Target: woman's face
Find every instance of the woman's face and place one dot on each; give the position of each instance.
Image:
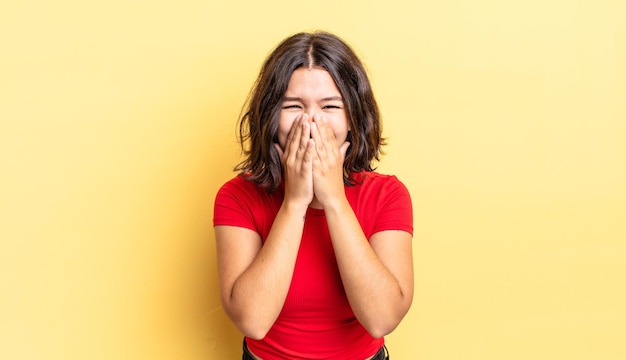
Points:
(313, 91)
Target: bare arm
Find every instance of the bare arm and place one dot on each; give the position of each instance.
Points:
(255, 277)
(377, 275)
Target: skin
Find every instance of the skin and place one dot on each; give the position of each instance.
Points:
(255, 277)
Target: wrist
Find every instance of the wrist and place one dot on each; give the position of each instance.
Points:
(336, 205)
(298, 208)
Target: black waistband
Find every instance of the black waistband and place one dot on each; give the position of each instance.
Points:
(382, 354)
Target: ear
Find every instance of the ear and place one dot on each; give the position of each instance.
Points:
(280, 151)
(344, 149)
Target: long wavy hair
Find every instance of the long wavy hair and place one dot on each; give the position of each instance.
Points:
(258, 126)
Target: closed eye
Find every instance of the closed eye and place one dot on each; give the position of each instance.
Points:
(332, 107)
(292, 106)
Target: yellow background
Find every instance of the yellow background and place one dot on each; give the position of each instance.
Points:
(506, 120)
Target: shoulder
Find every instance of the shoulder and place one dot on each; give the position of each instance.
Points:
(373, 180)
(374, 176)
(242, 187)
(375, 187)
(239, 190)
(381, 202)
(240, 202)
(238, 184)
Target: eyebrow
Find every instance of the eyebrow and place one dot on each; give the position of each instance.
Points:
(330, 98)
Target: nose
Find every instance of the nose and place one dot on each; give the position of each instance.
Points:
(310, 112)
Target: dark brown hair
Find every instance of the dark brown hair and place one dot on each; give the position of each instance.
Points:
(258, 126)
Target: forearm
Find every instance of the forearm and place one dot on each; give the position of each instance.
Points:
(259, 293)
(375, 295)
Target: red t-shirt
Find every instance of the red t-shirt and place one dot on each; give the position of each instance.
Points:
(316, 321)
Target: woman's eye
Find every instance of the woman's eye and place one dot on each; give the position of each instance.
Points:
(332, 107)
(293, 106)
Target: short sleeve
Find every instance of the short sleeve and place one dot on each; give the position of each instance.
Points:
(232, 205)
(395, 210)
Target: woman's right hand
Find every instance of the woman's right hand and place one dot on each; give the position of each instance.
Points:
(297, 162)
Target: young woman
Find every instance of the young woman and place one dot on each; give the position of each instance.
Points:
(313, 246)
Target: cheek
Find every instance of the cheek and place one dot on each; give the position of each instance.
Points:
(340, 128)
(284, 125)
(341, 135)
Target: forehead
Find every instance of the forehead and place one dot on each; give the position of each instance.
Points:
(312, 80)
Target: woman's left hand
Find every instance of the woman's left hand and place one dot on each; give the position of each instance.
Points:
(328, 160)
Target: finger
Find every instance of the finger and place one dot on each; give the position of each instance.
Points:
(305, 135)
(292, 129)
(315, 132)
(328, 132)
(320, 144)
(293, 140)
(325, 139)
(290, 133)
(309, 154)
(325, 130)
